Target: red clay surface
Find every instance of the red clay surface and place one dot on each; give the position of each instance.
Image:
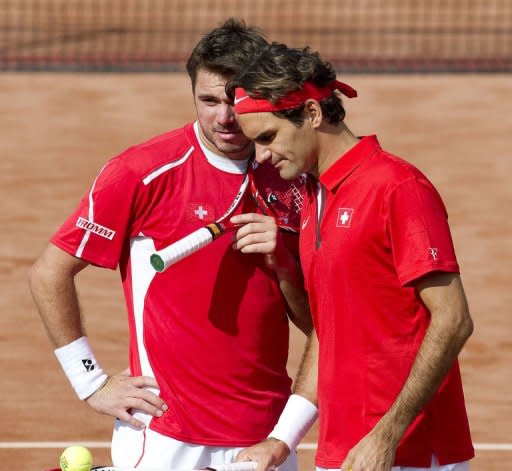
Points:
(59, 129)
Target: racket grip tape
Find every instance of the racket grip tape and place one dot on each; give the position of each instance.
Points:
(241, 466)
(175, 252)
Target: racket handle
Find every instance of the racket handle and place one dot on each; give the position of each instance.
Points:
(182, 248)
(242, 466)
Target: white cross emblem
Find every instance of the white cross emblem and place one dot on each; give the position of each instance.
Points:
(200, 212)
(344, 217)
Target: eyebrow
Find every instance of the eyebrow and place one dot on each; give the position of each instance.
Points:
(212, 97)
(206, 96)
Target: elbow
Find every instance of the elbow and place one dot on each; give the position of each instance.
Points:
(463, 327)
(303, 320)
(307, 326)
(467, 326)
(35, 276)
(42, 274)
(304, 324)
(455, 328)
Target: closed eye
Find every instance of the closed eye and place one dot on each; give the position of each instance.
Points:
(265, 138)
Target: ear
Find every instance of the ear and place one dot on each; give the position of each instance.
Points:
(313, 112)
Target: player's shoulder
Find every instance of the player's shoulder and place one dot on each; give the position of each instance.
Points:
(395, 170)
(170, 148)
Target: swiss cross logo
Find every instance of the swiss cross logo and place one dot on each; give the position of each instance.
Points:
(344, 217)
(202, 212)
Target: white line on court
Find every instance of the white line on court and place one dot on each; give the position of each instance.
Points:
(302, 446)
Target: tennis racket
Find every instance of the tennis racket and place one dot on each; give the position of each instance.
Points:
(281, 199)
(242, 466)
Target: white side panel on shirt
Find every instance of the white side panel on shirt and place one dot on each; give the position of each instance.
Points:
(141, 249)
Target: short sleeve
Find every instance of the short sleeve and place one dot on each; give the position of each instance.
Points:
(97, 230)
(419, 233)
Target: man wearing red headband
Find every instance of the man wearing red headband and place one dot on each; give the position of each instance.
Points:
(383, 281)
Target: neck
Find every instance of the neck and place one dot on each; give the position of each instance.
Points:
(334, 142)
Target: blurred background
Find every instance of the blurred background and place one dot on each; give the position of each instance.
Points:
(355, 35)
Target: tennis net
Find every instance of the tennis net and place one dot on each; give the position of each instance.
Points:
(355, 35)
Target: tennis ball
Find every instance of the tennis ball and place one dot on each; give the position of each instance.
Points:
(76, 458)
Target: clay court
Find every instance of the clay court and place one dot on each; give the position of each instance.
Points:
(59, 128)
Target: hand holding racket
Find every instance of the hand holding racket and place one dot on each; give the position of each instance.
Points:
(256, 233)
(273, 196)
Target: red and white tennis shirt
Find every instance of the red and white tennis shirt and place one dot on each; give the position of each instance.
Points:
(212, 329)
(382, 226)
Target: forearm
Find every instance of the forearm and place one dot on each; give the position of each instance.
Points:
(55, 296)
(300, 411)
(449, 329)
(306, 380)
(435, 357)
(291, 284)
(53, 289)
(52, 282)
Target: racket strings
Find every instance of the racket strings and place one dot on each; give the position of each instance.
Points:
(283, 198)
(298, 198)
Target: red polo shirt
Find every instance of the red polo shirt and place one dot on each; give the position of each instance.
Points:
(382, 226)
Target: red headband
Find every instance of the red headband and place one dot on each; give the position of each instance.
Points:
(246, 104)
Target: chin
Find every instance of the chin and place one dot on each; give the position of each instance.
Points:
(228, 148)
(288, 173)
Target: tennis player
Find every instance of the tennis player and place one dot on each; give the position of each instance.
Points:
(388, 306)
(209, 337)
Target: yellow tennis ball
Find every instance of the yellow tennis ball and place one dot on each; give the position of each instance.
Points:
(76, 458)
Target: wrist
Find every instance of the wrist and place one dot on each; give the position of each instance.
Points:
(389, 430)
(297, 417)
(81, 368)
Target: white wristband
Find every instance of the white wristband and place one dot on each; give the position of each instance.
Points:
(296, 419)
(80, 366)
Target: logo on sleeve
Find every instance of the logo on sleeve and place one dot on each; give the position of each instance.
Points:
(434, 253)
(95, 228)
(344, 217)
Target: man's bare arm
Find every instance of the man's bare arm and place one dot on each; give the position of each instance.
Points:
(449, 328)
(52, 283)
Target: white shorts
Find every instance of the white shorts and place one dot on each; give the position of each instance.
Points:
(464, 466)
(147, 449)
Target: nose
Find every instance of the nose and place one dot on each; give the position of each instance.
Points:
(226, 115)
(262, 153)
